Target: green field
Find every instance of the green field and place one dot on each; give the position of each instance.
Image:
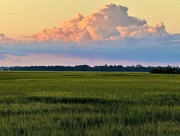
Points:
(89, 104)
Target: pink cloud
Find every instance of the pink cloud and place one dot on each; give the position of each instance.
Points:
(108, 23)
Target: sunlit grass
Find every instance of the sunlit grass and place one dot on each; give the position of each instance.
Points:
(89, 103)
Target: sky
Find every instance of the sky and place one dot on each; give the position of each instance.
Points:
(114, 32)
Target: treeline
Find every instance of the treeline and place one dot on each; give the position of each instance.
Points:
(166, 70)
(110, 68)
(137, 68)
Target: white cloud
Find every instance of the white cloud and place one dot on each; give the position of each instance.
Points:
(108, 23)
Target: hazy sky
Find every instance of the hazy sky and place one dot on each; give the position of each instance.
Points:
(27, 17)
(55, 32)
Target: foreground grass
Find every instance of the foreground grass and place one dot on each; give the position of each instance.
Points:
(87, 103)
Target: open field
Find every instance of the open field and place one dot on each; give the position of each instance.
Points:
(89, 103)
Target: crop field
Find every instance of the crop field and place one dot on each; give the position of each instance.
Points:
(89, 104)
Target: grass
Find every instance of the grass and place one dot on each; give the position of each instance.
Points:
(89, 103)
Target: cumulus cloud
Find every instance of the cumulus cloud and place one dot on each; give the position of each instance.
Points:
(108, 23)
(113, 37)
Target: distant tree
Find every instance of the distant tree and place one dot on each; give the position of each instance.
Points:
(166, 70)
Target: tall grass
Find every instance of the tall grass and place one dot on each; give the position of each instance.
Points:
(89, 103)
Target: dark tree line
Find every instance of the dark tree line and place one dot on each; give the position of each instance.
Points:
(166, 70)
(111, 68)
